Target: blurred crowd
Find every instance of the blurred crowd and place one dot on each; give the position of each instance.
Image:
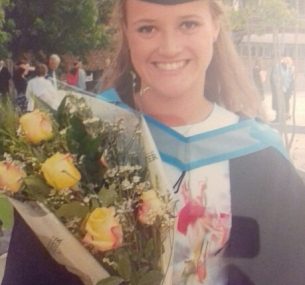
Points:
(23, 80)
(282, 83)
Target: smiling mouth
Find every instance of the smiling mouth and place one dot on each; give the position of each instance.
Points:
(171, 66)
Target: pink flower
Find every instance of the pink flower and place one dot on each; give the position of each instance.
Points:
(150, 207)
(11, 176)
(188, 215)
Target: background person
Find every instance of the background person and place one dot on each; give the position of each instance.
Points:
(20, 83)
(259, 77)
(53, 64)
(5, 77)
(76, 76)
(42, 88)
(81, 78)
(291, 87)
(282, 86)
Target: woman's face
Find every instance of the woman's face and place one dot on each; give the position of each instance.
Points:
(171, 46)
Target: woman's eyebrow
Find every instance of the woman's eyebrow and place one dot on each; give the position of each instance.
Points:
(143, 21)
(191, 16)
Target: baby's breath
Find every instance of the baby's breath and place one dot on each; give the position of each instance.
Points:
(109, 156)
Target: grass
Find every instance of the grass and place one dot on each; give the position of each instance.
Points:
(6, 212)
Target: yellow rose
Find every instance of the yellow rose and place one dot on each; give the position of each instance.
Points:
(104, 231)
(36, 126)
(150, 207)
(10, 176)
(60, 172)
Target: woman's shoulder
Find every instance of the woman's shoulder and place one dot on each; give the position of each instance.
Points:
(267, 166)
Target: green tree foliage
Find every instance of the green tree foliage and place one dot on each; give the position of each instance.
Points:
(105, 8)
(4, 36)
(59, 26)
(256, 17)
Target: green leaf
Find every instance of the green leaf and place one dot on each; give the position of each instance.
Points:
(124, 264)
(149, 249)
(61, 114)
(94, 203)
(107, 197)
(153, 277)
(113, 280)
(90, 146)
(36, 187)
(71, 210)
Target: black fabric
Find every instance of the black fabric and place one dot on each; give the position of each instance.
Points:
(28, 262)
(5, 76)
(267, 242)
(20, 82)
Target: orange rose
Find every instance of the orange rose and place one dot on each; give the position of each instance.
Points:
(60, 172)
(11, 176)
(36, 126)
(104, 231)
(150, 207)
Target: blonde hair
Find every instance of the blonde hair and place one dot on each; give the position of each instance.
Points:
(227, 81)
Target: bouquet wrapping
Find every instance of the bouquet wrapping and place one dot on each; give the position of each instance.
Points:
(109, 178)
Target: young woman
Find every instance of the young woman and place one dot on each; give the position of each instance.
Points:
(239, 200)
(176, 63)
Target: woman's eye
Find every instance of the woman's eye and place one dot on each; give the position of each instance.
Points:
(146, 30)
(189, 25)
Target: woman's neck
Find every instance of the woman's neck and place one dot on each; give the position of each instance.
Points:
(174, 111)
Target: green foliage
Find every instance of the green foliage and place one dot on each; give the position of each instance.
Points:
(107, 196)
(81, 138)
(36, 187)
(6, 212)
(112, 280)
(262, 16)
(124, 264)
(4, 36)
(72, 210)
(152, 277)
(9, 124)
(104, 9)
(60, 26)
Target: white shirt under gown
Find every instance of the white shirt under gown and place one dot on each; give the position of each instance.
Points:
(203, 212)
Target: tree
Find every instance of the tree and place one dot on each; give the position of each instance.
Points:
(4, 36)
(59, 26)
(105, 8)
(262, 16)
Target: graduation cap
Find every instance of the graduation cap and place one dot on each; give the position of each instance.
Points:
(168, 2)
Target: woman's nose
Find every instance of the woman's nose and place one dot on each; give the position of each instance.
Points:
(170, 43)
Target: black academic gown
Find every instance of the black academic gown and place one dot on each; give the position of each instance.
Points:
(267, 244)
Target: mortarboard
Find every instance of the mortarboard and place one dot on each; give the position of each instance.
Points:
(167, 2)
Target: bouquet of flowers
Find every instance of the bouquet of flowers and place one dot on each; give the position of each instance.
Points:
(80, 172)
